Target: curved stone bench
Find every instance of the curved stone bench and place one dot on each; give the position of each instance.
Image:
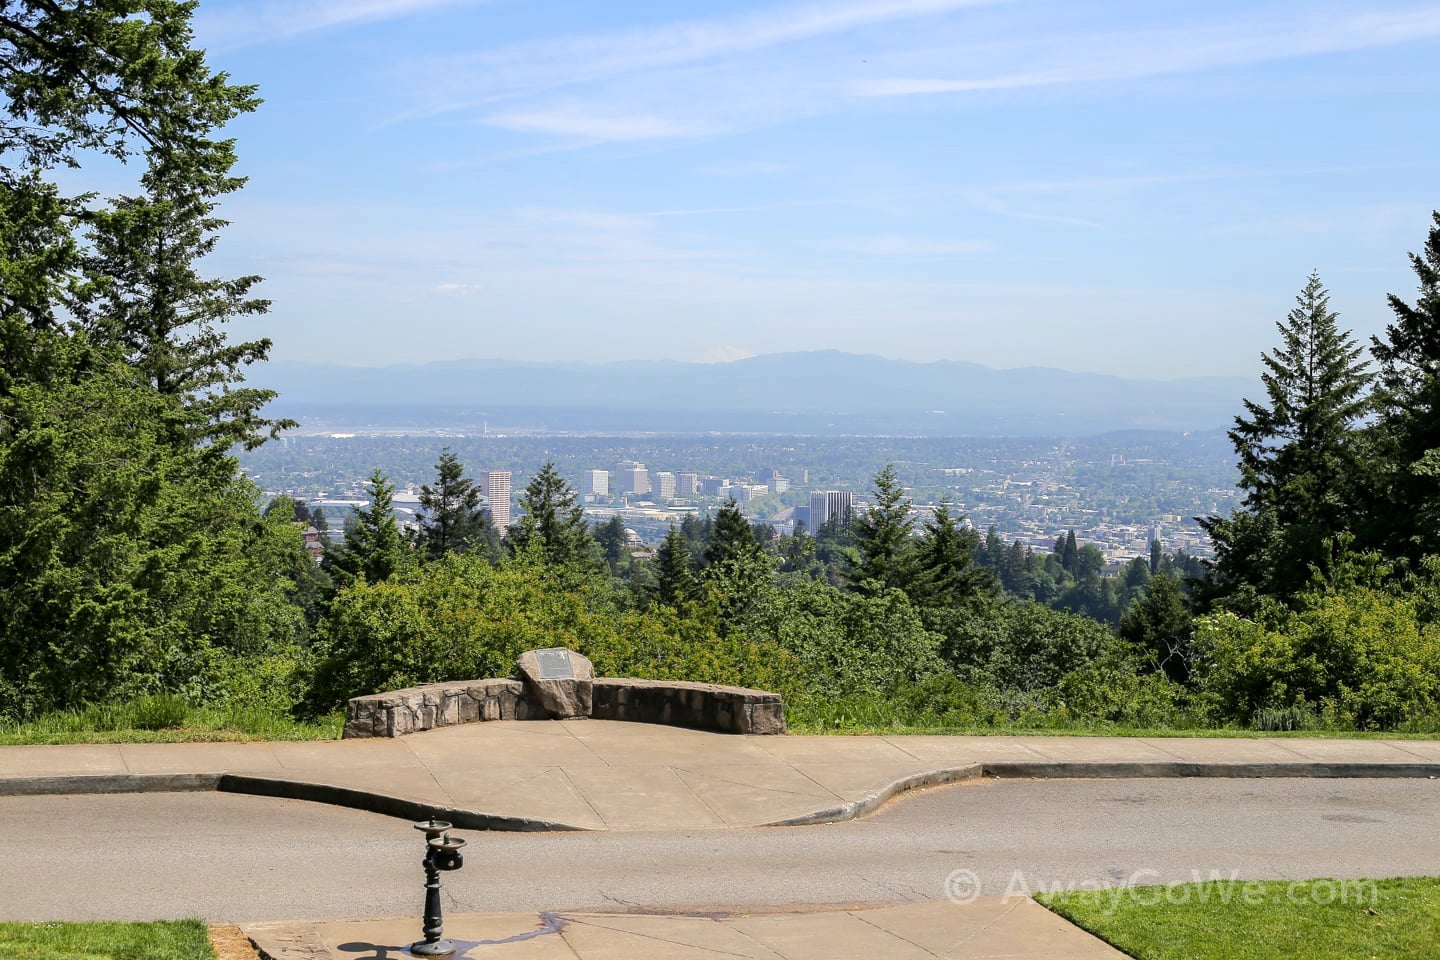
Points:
(704, 706)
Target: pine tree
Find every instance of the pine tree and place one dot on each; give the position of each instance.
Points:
(1160, 626)
(1157, 556)
(454, 521)
(1406, 515)
(883, 543)
(373, 547)
(675, 582)
(945, 571)
(1298, 457)
(731, 536)
(1070, 554)
(552, 518)
(614, 541)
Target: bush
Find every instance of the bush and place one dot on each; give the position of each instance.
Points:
(1019, 644)
(1363, 656)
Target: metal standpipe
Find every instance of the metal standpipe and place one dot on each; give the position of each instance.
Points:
(442, 852)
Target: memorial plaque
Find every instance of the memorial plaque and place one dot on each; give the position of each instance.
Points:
(555, 665)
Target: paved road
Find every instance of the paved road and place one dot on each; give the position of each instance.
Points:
(239, 858)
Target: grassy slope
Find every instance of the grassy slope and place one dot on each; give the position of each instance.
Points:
(1277, 920)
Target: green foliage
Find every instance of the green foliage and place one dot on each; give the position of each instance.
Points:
(553, 520)
(1160, 627)
(374, 548)
(130, 561)
(461, 618)
(1361, 657)
(878, 562)
(1300, 459)
(944, 570)
(454, 520)
(1019, 644)
(843, 643)
(1405, 519)
(675, 581)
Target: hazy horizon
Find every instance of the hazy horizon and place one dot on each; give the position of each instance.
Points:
(1121, 188)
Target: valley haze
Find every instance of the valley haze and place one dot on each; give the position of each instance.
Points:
(824, 392)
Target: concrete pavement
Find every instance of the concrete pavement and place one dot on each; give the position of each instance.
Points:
(605, 775)
(1015, 929)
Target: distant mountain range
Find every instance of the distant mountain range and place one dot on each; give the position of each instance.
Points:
(823, 392)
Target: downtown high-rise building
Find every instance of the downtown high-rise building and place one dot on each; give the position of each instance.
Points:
(595, 483)
(631, 477)
(827, 505)
(496, 486)
(664, 486)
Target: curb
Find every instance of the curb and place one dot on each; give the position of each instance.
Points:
(879, 796)
(409, 809)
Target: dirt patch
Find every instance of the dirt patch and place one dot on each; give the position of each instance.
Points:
(231, 944)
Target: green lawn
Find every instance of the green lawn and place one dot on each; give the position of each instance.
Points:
(166, 940)
(1274, 920)
(166, 720)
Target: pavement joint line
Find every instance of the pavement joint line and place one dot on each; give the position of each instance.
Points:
(903, 750)
(1400, 745)
(581, 794)
(891, 933)
(430, 773)
(719, 817)
(1165, 750)
(817, 783)
(1287, 748)
(651, 936)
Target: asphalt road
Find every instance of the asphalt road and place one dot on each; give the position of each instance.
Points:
(234, 858)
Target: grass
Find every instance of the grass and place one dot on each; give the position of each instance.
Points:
(162, 940)
(1273, 920)
(166, 719)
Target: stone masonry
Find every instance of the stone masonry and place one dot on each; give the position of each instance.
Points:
(678, 703)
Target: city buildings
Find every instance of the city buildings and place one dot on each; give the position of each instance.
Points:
(595, 483)
(827, 505)
(496, 486)
(687, 484)
(665, 486)
(631, 477)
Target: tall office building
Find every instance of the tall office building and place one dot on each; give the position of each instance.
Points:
(664, 486)
(631, 477)
(496, 485)
(687, 484)
(827, 505)
(595, 482)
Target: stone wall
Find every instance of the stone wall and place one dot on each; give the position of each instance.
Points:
(701, 705)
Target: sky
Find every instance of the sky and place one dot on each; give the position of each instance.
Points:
(1133, 188)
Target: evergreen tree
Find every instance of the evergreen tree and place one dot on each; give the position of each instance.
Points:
(614, 541)
(373, 547)
(1298, 457)
(1160, 626)
(318, 521)
(731, 536)
(883, 543)
(1070, 555)
(454, 521)
(675, 582)
(552, 518)
(1406, 516)
(1157, 556)
(945, 571)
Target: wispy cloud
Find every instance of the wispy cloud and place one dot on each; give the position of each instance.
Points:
(894, 245)
(245, 23)
(702, 78)
(1154, 53)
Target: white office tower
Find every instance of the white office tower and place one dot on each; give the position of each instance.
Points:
(827, 505)
(664, 486)
(596, 483)
(497, 496)
(631, 477)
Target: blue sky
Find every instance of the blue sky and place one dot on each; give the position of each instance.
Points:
(1132, 188)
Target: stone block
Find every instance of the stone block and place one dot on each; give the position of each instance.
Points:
(558, 696)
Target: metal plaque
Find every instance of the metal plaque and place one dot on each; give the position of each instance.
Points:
(555, 665)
